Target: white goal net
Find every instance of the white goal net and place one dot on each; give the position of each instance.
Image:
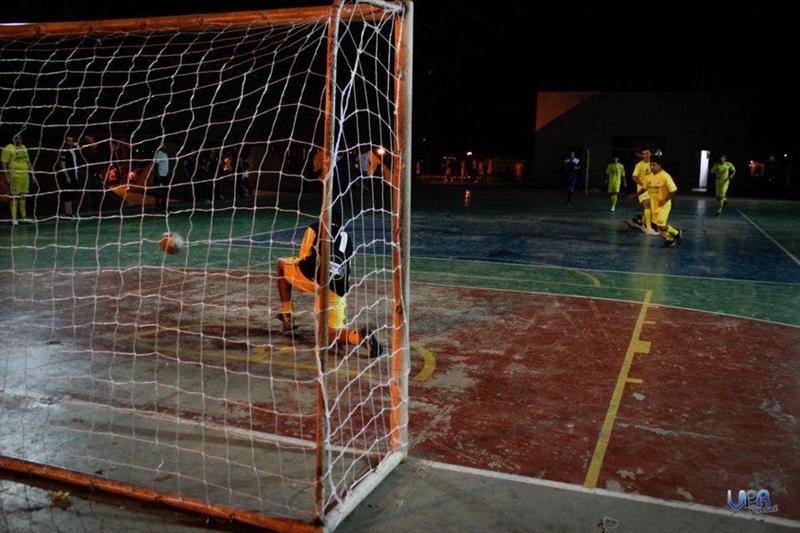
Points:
(204, 257)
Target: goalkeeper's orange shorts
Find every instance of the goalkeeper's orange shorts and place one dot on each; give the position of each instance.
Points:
(337, 305)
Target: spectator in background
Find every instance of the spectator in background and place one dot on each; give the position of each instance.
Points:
(771, 173)
(318, 164)
(70, 180)
(571, 167)
(213, 176)
(225, 187)
(16, 165)
(371, 165)
(205, 177)
(723, 172)
(519, 171)
(615, 175)
(161, 176)
(364, 160)
(241, 177)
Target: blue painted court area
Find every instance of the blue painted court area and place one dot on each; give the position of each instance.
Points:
(536, 227)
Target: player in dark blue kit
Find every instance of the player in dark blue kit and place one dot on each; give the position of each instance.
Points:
(571, 167)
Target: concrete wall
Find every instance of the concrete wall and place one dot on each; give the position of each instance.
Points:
(681, 124)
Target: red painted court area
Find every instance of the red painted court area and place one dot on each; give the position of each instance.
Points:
(524, 381)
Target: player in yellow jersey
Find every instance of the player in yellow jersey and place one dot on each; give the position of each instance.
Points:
(615, 173)
(641, 172)
(661, 189)
(16, 166)
(723, 172)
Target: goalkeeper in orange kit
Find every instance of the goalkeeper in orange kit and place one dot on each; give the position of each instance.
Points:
(299, 271)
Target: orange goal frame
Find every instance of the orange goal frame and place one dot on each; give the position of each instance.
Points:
(364, 10)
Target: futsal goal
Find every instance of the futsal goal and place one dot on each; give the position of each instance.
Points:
(165, 377)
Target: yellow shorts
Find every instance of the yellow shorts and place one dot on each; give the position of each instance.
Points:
(722, 187)
(661, 215)
(337, 305)
(20, 183)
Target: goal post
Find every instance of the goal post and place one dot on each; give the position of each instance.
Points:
(175, 378)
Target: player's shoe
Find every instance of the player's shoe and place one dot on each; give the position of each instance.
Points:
(613, 207)
(373, 346)
(679, 237)
(718, 214)
(286, 320)
(670, 244)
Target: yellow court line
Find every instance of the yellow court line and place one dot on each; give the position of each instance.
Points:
(635, 346)
(261, 355)
(430, 363)
(595, 281)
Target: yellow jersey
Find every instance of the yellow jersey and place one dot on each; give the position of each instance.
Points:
(657, 187)
(640, 172)
(615, 170)
(721, 171)
(16, 158)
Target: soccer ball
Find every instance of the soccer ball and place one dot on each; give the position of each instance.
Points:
(171, 243)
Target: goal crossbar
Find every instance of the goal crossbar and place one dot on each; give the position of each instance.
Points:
(273, 17)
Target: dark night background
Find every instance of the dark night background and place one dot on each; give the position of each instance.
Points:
(478, 65)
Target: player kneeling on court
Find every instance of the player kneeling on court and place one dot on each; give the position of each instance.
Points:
(661, 189)
(298, 272)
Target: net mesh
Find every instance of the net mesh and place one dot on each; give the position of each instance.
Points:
(169, 370)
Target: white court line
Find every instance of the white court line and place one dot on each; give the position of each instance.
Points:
(177, 420)
(623, 300)
(768, 236)
(253, 273)
(627, 272)
(696, 507)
